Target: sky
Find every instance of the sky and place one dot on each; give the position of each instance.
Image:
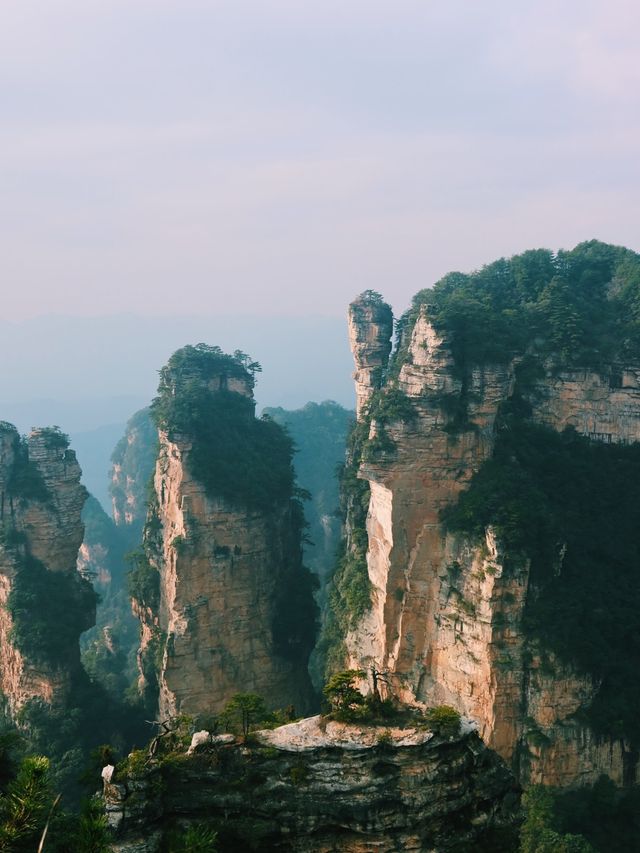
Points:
(277, 157)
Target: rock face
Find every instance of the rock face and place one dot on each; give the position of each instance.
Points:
(370, 331)
(133, 460)
(227, 567)
(41, 501)
(314, 788)
(445, 616)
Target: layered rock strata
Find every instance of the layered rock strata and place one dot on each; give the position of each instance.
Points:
(41, 501)
(313, 787)
(446, 618)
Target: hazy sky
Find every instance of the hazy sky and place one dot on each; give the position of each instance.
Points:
(279, 156)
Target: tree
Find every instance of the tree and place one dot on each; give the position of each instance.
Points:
(443, 720)
(24, 808)
(342, 693)
(245, 708)
(538, 835)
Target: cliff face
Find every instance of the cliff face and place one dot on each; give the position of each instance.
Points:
(370, 330)
(45, 603)
(133, 460)
(230, 578)
(308, 788)
(447, 610)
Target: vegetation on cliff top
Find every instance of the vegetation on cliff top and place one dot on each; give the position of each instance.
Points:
(236, 456)
(579, 307)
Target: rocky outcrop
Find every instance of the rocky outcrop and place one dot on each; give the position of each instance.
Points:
(133, 460)
(321, 787)
(41, 500)
(446, 617)
(370, 331)
(230, 582)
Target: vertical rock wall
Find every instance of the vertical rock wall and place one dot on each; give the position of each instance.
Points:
(445, 617)
(41, 501)
(370, 331)
(224, 571)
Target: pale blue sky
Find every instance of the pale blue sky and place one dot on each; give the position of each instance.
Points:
(183, 156)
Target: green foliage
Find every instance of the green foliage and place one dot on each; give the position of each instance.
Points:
(443, 720)
(26, 483)
(109, 647)
(577, 308)
(25, 805)
(143, 580)
(295, 620)
(391, 404)
(349, 590)
(207, 362)
(581, 307)
(572, 507)
(372, 297)
(385, 739)
(319, 432)
(299, 773)
(49, 611)
(342, 693)
(31, 811)
(196, 839)
(245, 460)
(91, 832)
(539, 833)
(10, 537)
(234, 455)
(608, 817)
(54, 438)
(243, 712)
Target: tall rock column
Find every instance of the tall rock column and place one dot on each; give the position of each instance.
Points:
(234, 610)
(45, 603)
(370, 331)
(445, 616)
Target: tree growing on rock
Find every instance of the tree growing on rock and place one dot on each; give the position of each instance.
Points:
(244, 710)
(443, 720)
(342, 693)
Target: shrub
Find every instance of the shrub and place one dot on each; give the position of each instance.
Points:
(342, 693)
(443, 720)
(143, 580)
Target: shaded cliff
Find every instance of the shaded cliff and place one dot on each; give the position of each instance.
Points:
(46, 603)
(225, 603)
(496, 562)
(109, 647)
(320, 786)
(319, 432)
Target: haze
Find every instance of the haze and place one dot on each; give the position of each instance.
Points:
(163, 157)
(235, 173)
